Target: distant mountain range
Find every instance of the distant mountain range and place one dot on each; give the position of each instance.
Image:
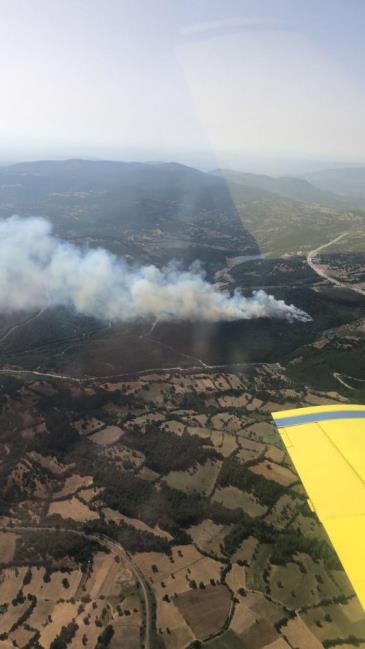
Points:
(159, 212)
(86, 175)
(31, 180)
(100, 200)
(150, 212)
(116, 191)
(320, 186)
(348, 181)
(298, 189)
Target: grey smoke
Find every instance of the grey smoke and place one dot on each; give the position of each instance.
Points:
(38, 270)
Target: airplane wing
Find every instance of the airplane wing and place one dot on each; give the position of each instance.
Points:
(327, 447)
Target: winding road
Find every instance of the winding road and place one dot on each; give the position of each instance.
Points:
(322, 273)
(113, 546)
(339, 377)
(21, 324)
(130, 375)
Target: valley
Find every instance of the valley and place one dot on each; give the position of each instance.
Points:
(147, 500)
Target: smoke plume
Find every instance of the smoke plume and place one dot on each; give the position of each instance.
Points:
(37, 270)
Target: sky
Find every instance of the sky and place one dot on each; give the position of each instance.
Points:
(223, 81)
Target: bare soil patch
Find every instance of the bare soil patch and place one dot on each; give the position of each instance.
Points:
(200, 478)
(236, 577)
(172, 626)
(107, 435)
(246, 550)
(298, 635)
(205, 611)
(275, 472)
(72, 508)
(232, 498)
(72, 484)
(7, 546)
(116, 516)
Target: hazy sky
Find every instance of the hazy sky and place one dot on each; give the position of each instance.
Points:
(159, 78)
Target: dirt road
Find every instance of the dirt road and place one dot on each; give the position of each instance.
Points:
(113, 546)
(322, 273)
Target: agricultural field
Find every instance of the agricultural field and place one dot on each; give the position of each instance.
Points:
(66, 590)
(164, 499)
(146, 498)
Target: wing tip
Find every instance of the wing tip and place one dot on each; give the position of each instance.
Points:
(311, 414)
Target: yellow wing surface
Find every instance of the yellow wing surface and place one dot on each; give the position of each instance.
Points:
(327, 447)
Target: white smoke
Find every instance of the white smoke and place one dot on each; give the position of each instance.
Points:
(37, 270)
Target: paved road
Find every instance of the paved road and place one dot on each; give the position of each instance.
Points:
(113, 545)
(116, 547)
(50, 375)
(338, 377)
(322, 273)
(130, 375)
